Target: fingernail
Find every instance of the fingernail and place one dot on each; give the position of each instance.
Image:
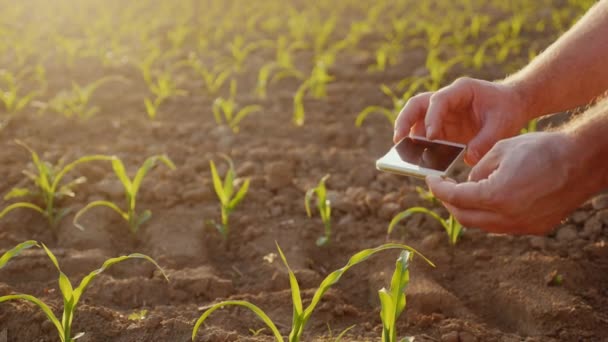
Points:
(430, 132)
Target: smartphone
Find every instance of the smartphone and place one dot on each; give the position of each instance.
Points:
(420, 157)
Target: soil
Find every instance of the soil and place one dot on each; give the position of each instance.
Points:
(487, 288)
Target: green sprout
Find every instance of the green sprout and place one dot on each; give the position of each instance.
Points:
(323, 206)
(163, 88)
(213, 78)
(71, 296)
(282, 67)
(11, 96)
(225, 192)
(131, 188)
(452, 227)
(532, 126)
(393, 301)
(227, 109)
(75, 102)
(48, 187)
(301, 314)
(398, 103)
(316, 85)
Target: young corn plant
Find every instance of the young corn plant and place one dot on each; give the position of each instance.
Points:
(282, 67)
(76, 101)
(131, 188)
(323, 206)
(452, 227)
(301, 314)
(47, 186)
(213, 78)
(10, 92)
(162, 88)
(398, 102)
(71, 295)
(225, 110)
(240, 50)
(225, 192)
(316, 85)
(392, 301)
(532, 126)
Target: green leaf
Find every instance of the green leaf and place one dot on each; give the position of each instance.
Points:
(78, 292)
(143, 170)
(241, 114)
(240, 195)
(121, 173)
(93, 204)
(307, 199)
(374, 109)
(404, 214)
(296, 297)
(72, 165)
(16, 193)
(47, 311)
(339, 338)
(261, 314)
(21, 205)
(8, 255)
(217, 183)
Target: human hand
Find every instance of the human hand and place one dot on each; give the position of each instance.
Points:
(469, 111)
(523, 185)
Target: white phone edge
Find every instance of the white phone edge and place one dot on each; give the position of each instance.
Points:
(420, 172)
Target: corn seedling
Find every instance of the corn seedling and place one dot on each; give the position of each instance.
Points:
(71, 296)
(48, 187)
(76, 101)
(162, 87)
(10, 92)
(392, 301)
(213, 79)
(225, 192)
(452, 227)
(240, 50)
(131, 188)
(323, 206)
(225, 110)
(301, 314)
(282, 67)
(316, 85)
(426, 195)
(398, 103)
(386, 54)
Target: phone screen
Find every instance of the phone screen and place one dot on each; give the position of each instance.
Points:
(425, 154)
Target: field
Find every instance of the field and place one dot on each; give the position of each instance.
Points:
(288, 91)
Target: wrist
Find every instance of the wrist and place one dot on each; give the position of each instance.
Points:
(523, 98)
(587, 156)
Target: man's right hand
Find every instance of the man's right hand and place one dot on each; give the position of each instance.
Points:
(469, 111)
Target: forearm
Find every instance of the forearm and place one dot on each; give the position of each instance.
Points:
(570, 73)
(589, 136)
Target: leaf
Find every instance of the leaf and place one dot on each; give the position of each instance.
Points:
(241, 115)
(47, 311)
(373, 109)
(143, 170)
(217, 183)
(98, 204)
(261, 314)
(8, 255)
(78, 292)
(21, 205)
(240, 195)
(339, 338)
(307, 199)
(121, 173)
(404, 214)
(16, 193)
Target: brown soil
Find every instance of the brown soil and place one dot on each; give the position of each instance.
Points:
(487, 288)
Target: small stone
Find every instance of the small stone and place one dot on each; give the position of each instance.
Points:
(592, 228)
(373, 200)
(431, 241)
(566, 234)
(388, 211)
(246, 169)
(600, 202)
(538, 242)
(465, 336)
(603, 216)
(450, 337)
(279, 174)
(580, 216)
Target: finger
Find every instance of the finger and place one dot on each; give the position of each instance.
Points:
(470, 195)
(482, 142)
(445, 101)
(418, 129)
(413, 112)
(484, 168)
(482, 219)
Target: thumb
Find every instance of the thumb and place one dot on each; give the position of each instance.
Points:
(480, 144)
(484, 168)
